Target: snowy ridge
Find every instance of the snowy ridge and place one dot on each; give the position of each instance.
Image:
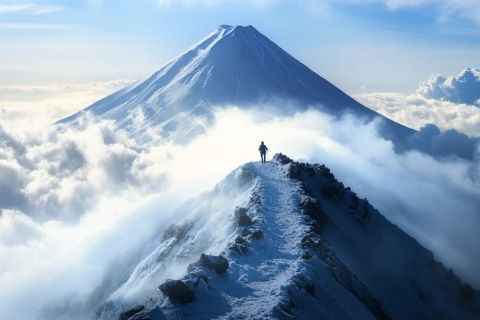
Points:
(307, 248)
(231, 66)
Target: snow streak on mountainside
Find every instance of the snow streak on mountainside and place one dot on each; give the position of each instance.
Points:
(286, 240)
(231, 66)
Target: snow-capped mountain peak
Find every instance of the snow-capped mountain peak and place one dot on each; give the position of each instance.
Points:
(233, 65)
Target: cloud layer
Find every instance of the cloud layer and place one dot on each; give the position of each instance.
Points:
(51, 102)
(80, 202)
(59, 173)
(416, 111)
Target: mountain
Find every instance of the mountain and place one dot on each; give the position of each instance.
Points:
(231, 66)
(284, 240)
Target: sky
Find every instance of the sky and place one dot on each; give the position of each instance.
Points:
(359, 45)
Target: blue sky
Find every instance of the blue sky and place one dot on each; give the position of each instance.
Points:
(359, 45)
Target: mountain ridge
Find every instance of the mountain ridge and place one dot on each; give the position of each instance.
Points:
(299, 244)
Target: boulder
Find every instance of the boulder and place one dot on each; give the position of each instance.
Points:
(217, 263)
(241, 217)
(177, 291)
(130, 313)
(282, 159)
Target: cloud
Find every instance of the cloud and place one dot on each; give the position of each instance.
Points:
(54, 101)
(17, 229)
(89, 199)
(430, 140)
(34, 26)
(255, 3)
(464, 88)
(446, 9)
(51, 172)
(416, 111)
(29, 8)
(469, 9)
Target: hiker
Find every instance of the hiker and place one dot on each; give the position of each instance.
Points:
(263, 151)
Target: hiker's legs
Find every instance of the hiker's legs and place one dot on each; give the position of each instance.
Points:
(263, 157)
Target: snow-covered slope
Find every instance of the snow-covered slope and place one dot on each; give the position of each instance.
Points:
(231, 66)
(292, 243)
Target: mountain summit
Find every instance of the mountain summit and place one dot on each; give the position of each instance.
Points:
(231, 66)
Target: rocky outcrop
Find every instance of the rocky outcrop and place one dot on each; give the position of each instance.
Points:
(217, 263)
(240, 246)
(129, 314)
(242, 219)
(177, 291)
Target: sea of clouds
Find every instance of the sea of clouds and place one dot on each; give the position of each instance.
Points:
(449, 102)
(77, 203)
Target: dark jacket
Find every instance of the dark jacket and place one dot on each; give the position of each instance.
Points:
(263, 148)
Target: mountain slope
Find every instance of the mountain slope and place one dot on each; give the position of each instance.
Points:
(231, 66)
(297, 245)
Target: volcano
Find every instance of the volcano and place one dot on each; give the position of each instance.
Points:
(234, 65)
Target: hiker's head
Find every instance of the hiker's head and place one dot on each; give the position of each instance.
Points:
(261, 142)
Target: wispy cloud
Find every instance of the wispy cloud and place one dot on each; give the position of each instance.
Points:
(29, 8)
(416, 111)
(33, 26)
(255, 3)
(448, 102)
(54, 101)
(446, 9)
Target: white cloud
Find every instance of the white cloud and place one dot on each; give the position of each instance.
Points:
(416, 111)
(51, 102)
(29, 8)
(33, 26)
(103, 174)
(464, 88)
(448, 102)
(446, 9)
(255, 3)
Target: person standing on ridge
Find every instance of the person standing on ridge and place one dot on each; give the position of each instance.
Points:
(263, 152)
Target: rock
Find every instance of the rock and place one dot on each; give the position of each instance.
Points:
(177, 290)
(282, 159)
(241, 240)
(239, 248)
(217, 263)
(130, 313)
(257, 234)
(141, 316)
(241, 217)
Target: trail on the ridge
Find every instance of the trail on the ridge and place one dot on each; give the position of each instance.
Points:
(254, 284)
